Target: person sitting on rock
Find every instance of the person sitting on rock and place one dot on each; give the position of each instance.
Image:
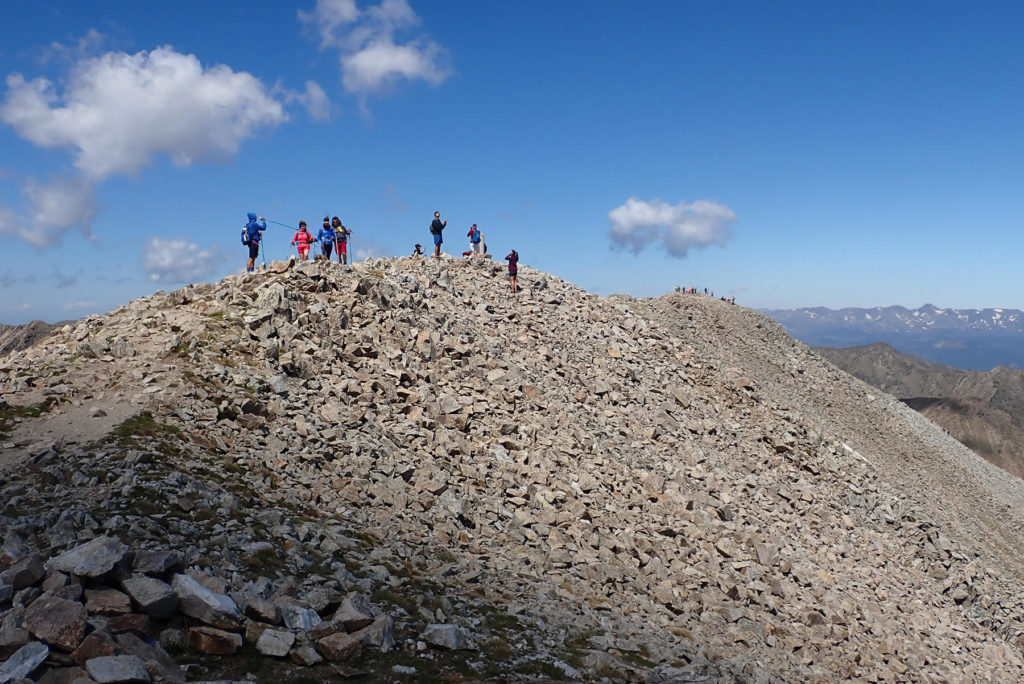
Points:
(418, 250)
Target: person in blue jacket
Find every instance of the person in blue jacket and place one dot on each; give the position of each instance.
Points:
(253, 236)
(326, 236)
(474, 236)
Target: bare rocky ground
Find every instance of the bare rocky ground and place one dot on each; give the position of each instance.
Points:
(547, 485)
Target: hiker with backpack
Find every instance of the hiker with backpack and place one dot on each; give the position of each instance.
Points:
(417, 250)
(475, 240)
(252, 235)
(513, 268)
(303, 238)
(326, 237)
(436, 227)
(341, 234)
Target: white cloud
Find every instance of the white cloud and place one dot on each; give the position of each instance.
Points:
(637, 224)
(79, 305)
(178, 261)
(371, 59)
(118, 111)
(53, 209)
(314, 99)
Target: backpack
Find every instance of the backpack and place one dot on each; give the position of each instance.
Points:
(245, 235)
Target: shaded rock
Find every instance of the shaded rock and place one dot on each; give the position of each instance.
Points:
(263, 610)
(275, 643)
(116, 669)
(22, 574)
(24, 662)
(339, 647)
(305, 655)
(63, 675)
(451, 637)
(354, 613)
(298, 617)
(95, 645)
(214, 641)
(56, 621)
(93, 558)
(195, 600)
(107, 602)
(156, 563)
(156, 599)
(158, 662)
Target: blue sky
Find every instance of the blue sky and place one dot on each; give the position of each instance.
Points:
(790, 154)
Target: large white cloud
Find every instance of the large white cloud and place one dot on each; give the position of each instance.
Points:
(371, 59)
(679, 228)
(177, 260)
(119, 110)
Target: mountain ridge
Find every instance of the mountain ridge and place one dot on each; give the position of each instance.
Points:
(650, 489)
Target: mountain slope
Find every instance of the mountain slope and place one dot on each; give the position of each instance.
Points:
(667, 488)
(983, 410)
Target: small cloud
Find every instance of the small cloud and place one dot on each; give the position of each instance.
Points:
(679, 228)
(79, 305)
(24, 306)
(178, 261)
(367, 250)
(8, 279)
(314, 99)
(63, 281)
(53, 209)
(371, 59)
(87, 45)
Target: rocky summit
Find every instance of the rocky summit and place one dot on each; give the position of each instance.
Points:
(400, 471)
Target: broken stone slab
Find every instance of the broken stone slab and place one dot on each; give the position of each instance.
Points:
(339, 647)
(305, 655)
(159, 663)
(95, 645)
(94, 558)
(276, 643)
(56, 621)
(64, 675)
(299, 617)
(155, 598)
(156, 563)
(118, 669)
(380, 633)
(195, 600)
(214, 641)
(107, 602)
(6, 593)
(448, 636)
(263, 610)
(354, 613)
(24, 662)
(22, 574)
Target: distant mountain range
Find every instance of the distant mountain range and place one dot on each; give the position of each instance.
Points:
(983, 411)
(976, 339)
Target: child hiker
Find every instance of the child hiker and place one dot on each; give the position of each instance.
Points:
(303, 238)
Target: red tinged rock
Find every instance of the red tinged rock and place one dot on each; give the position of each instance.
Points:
(107, 602)
(95, 645)
(56, 621)
(134, 622)
(339, 647)
(214, 641)
(24, 573)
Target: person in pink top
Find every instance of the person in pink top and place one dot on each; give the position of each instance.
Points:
(303, 238)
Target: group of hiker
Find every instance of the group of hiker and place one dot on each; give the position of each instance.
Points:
(334, 236)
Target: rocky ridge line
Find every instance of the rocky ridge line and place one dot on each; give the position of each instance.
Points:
(635, 482)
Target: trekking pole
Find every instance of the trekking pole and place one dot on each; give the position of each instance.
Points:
(277, 222)
(263, 253)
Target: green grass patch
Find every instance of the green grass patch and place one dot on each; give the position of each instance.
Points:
(9, 413)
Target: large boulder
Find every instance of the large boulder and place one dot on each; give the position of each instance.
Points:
(195, 600)
(94, 558)
(56, 621)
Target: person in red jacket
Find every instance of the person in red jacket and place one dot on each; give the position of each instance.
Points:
(303, 238)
